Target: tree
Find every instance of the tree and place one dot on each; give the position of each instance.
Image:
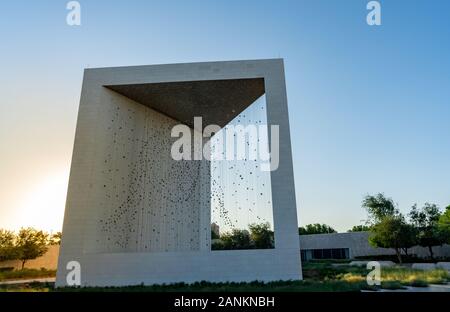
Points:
(379, 207)
(444, 225)
(261, 235)
(7, 250)
(30, 244)
(426, 222)
(388, 226)
(55, 239)
(315, 229)
(389, 233)
(237, 239)
(214, 235)
(360, 228)
(408, 237)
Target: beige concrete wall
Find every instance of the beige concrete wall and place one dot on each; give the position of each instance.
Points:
(48, 261)
(145, 201)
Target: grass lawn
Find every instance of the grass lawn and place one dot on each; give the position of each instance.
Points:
(282, 286)
(391, 278)
(26, 274)
(326, 270)
(318, 276)
(28, 287)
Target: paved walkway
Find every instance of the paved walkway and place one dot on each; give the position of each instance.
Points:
(26, 281)
(431, 288)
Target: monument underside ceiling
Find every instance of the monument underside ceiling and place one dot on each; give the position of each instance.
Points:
(217, 101)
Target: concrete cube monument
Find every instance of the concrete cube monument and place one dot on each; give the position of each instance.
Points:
(134, 214)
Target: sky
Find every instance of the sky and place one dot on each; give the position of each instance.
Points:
(369, 105)
(240, 188)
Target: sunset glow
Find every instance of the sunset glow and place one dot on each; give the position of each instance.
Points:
(42, 206)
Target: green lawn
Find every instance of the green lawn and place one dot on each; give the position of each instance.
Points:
(282, 286)
(391, 278)
(26, 274)
(318, 276)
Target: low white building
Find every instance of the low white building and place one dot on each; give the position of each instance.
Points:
(352, 245)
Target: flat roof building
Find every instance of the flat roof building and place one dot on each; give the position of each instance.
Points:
(352, 245)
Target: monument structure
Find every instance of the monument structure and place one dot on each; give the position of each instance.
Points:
(134, 214)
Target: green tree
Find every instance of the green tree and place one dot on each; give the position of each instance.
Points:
(387, 225)
(261, 235)
(315, 229)
(55, 239)
(30, 244)
(389, 233)
(214, 235)
(379, 207)
(236, 239)
(360, 228)
(426, 222)
(7, 249)
(408, 237)
(444, 225)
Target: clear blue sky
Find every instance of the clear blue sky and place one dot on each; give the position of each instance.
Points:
(369, 106)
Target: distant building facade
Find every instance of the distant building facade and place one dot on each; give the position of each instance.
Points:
(352, 245)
